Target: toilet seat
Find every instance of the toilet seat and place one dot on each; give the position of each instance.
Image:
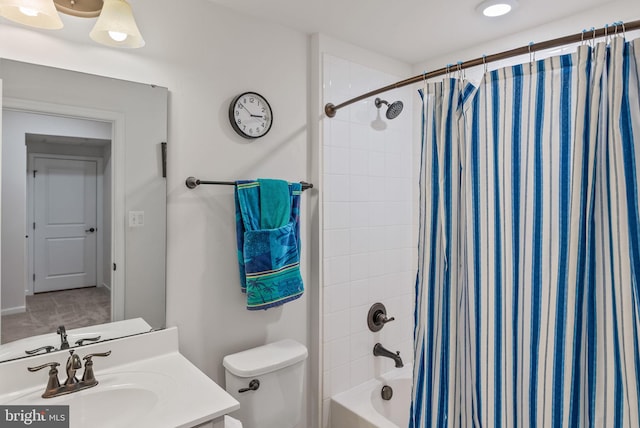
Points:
(230, 422)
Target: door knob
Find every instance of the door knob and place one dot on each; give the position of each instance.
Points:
(91, 230)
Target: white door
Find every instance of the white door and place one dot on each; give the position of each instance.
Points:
(65, 216)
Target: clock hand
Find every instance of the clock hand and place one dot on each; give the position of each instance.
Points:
(245, 107)
(248, 111)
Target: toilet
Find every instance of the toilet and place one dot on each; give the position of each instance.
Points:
(230, 422)
(268, 382)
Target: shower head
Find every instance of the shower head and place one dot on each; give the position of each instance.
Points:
(393, 109)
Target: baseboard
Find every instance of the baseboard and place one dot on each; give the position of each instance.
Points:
(11, 311)
(108, 287)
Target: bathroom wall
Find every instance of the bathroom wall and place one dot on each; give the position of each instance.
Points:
(369, 248)
(206, 54)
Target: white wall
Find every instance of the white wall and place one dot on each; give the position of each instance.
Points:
(206, 55)
(367, 210)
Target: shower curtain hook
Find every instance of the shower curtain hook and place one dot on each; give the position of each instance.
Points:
(449, 71)
(624, 33)
(606, 36)
(459, 68)
(593, 38)
(484, 62)
(532, 55)
(424, 78)
(582, 37)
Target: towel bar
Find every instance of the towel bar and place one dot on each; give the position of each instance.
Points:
(193, 182)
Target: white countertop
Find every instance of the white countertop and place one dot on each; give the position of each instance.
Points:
(180, 395)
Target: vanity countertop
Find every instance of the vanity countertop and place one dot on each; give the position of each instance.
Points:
(145, 382)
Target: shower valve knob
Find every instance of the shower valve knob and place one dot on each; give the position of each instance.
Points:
(381, 318)
(377, 317)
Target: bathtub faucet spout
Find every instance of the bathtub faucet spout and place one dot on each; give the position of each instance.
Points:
(381, 351)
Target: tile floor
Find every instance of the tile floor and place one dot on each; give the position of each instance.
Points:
(46, 311)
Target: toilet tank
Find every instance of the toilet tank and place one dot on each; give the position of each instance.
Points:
(279, 369)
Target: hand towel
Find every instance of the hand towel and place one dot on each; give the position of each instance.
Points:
(268, 239)
(275, 206)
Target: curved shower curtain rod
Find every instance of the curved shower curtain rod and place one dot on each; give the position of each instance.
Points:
(330, 109)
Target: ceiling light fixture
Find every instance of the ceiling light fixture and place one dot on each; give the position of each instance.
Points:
(34, 13)
(493, 8)
(115, 26)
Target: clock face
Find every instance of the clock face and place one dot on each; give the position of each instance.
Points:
(250, 115)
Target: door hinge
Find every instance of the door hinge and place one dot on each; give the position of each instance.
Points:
(34, 173)
(34, 225)
(114, 266)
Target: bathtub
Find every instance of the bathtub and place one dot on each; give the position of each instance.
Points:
(363, 406)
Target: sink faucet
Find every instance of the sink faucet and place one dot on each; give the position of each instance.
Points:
(73, 364)
(63, 337)
(72, 384)
(381, 351)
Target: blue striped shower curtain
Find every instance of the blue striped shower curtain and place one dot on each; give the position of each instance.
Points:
(527, 296)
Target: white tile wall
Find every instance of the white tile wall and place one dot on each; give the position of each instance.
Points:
(369, 247)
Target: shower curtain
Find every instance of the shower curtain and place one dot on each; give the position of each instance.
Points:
(527, 295)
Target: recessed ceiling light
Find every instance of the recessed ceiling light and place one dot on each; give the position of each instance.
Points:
(492, 8)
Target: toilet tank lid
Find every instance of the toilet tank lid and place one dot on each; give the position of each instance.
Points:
(265, 359)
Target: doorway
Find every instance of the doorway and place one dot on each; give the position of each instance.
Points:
(67, 172)
(66, 194)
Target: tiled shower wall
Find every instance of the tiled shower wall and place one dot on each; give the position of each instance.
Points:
(369, 241)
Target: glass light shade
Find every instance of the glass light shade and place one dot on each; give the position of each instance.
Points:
(117, 18)
(34, 13)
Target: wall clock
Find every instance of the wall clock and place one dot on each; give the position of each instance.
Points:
(250, 115)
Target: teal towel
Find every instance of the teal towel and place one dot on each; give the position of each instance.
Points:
(275, 204)
(268, 258)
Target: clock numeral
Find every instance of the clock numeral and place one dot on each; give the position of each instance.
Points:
(264, 109)
(244, 100)
(239, 121)
(252, 100)
(237, 112)
(244, 126)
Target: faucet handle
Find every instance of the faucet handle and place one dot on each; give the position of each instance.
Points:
(88, 357)
(53, 384)
(80, 342)
(382, 318)
(88, 377)
(48, 349)
(53, 366)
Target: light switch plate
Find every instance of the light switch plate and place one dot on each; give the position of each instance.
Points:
(136, 218)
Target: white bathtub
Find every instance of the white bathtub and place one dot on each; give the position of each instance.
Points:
(363, 406)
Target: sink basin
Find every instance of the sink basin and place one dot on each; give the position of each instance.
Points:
(108, 404)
